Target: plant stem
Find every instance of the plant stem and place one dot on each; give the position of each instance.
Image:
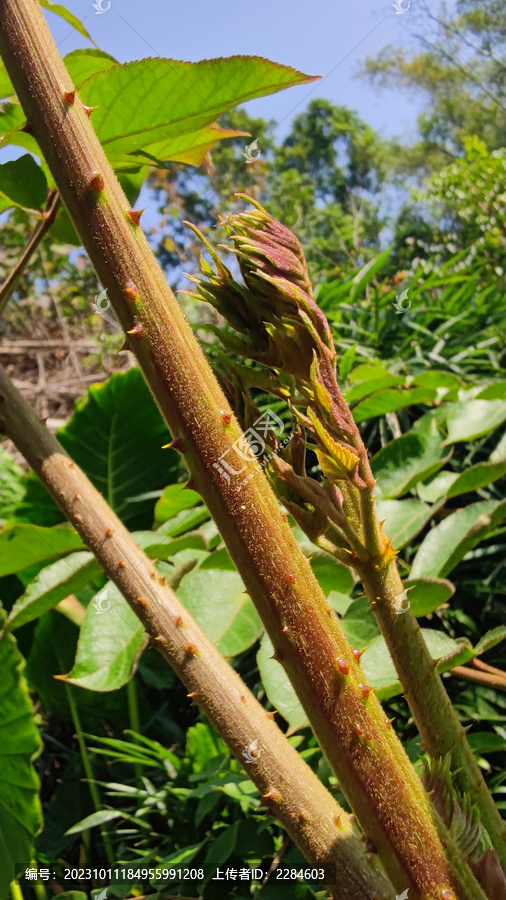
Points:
(485, 678)
(133, 713)
(375, 774)
(15, 889)
(95, 795)
(289, 788)
(434, 715)
(11, 282)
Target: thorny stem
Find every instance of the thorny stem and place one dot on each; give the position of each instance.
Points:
(372, 767)
(434, 715)
(11, 282)
(289, 788)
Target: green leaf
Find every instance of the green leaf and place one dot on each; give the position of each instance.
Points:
(339, 602)
(12, 117)
(380, 671)
(359, 623)
(22, 183)
(82, 64)
(428, 594)
(52, 653)
(495, 391)
(437, 380)
(20, 810)
(189, 148)
(72, 895)
(366, 372)
(96, 818)
(486, 742)
(179, 859)
(389, 400)
(499, 452)
(365, 388)
(23, 546)
(451, 539)
(203, 745)
(116, 435)
(279, 688)
(490, 639)
(476, 477)
(367, 273)
(110, 642)
(12, 485)
(64, 13)
(331, 575)
(52, 584)
(174, 499)
(404, 519)
(217, 602)
(222, 848)
(474, 418)
(402, 463)
(437, 487)
(143, 103)
(6, 88)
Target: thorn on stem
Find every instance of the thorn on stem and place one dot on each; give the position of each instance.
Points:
(176, 444)
(191, 650)
(343, 667)
(70, 97)
(137, 330)
(130, 293)
(135, 216)
(97, 182)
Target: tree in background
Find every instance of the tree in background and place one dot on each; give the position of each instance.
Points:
(323, 180)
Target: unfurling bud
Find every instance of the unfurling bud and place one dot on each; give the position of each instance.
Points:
(275, 308)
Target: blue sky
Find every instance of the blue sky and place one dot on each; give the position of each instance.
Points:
(319, 37)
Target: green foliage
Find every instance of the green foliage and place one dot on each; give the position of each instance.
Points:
(426, 383)
(22, 183)
(20, 810)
